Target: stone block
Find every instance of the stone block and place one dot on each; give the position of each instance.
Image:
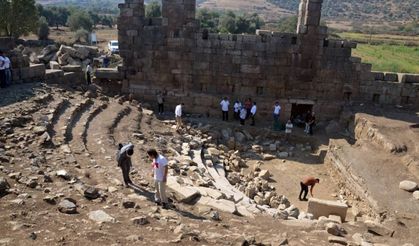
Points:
(319, 207)
(410, 78)
(392, 77)
(182, 193)
(72, 68)
(378, 76)
(108, 73)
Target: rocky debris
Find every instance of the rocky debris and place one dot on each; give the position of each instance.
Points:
(335, 218)
(63, 174)
(293, 211)
(416, 195)
(264, 174)
(215, 216)
(335, 229)
(338, 240)
(67, 206)
(378, 229)
(101, 216)
(4, 186)
(141, 220)
(283, 154)
(268, 157)
(126, 203)
(408, 185)
(50, 199)
(89, 192)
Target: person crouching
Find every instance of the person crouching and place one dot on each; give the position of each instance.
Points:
(123, 158)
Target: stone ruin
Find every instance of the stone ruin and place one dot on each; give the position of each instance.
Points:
(304, 70)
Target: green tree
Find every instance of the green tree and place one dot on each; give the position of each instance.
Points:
(80, 20)
(107, 21)
(17, 17)
(153, 9)
(95, 18)
(81, 35)
(43, 28)
(228, 23)
(209, 19)
(288, 24)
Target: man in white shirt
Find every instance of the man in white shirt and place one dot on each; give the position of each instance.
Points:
(178, 116)
(2, 70)
(243, 115)
(277, 111)
(160, 171)
(89, 73)
(224, 108)
(253, 113)
(237, 106)
(8, 71)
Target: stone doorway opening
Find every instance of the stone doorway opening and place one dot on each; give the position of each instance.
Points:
(299, 112)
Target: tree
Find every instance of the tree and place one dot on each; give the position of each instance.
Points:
(95, 18)
(17, 17)
(228, 23)
(81, 35)
(43, 29)
(153, 9)
(107, 21)
(80, 20)
(209, 19)
(288, 24)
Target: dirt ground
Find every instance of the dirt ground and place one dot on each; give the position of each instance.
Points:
(84, 136)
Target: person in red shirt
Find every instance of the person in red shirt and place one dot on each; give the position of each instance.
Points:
(308, 181)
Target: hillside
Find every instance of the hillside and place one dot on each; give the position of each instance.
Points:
(354, 10)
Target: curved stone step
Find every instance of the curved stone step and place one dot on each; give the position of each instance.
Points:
(75, 116)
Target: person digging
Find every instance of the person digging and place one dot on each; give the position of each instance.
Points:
(308, 181)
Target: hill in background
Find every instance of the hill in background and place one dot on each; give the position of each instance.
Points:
(270, 10)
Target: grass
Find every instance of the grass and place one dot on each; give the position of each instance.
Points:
(389, 58)
(381, 38)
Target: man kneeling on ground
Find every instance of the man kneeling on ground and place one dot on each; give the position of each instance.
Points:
(160, 177)
(308, 181)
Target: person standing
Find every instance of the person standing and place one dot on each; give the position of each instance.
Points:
(160, 101)
(277, 111)
(308, 181)
(237, 106)
(8, 71)
(178, 116)
(248, 106)
(160, 171)
(243, 115)
(276, 115)
(2, 70)
(311, 123)
(253, 113)
(224, 108)
(89, 72)
(288, 130)
(123, 158)
(307, 122)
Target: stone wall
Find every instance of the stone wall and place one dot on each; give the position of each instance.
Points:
(391, 89)
(174, 55)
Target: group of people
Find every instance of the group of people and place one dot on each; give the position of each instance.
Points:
(159, 171)
(242, 112)
(5, 71)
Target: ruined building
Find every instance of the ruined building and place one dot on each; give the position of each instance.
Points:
(303, 70)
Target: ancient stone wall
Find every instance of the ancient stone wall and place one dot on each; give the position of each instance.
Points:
(174, 55)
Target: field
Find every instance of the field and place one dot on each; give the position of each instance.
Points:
(390, 58)
(381, 38)
(391, 53)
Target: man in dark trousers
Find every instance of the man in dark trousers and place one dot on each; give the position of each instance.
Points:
(308, 181)
(123, 158)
